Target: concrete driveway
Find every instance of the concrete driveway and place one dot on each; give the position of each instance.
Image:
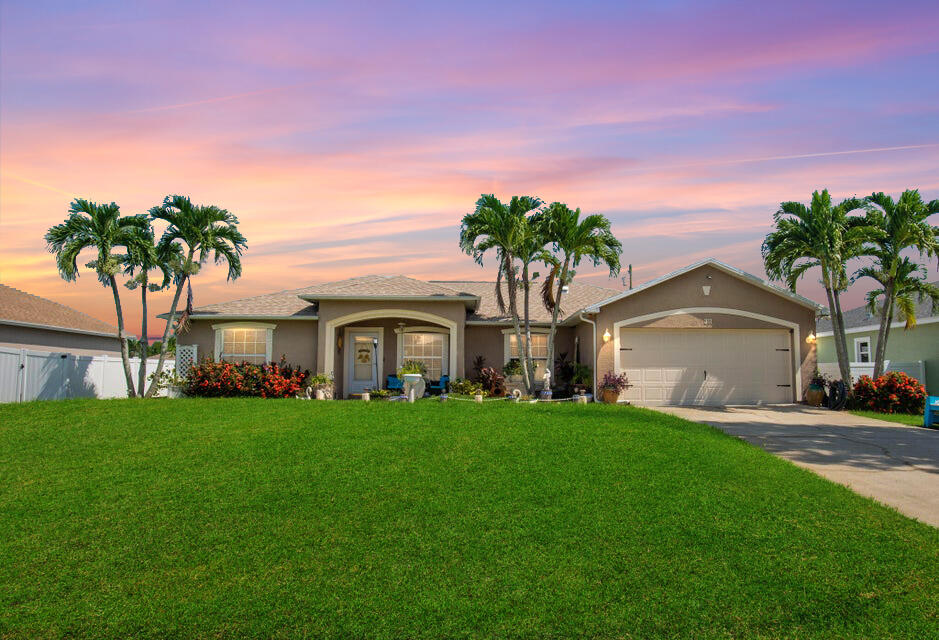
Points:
(892, 463)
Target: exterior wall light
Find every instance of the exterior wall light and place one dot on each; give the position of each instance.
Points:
(606, 336)
(811, 339)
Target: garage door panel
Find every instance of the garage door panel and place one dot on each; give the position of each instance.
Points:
(706, 366)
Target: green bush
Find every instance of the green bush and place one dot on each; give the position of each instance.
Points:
(462, 386)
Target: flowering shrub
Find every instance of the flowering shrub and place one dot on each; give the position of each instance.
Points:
(493, 382)
(228, 380)
(893, 392)
(615, 382)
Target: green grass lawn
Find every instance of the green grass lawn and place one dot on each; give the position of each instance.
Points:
(265, 518)
(902, 418)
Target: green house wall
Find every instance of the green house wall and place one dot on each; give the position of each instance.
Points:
(919, 343)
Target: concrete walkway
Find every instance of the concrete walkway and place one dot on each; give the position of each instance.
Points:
(892, 463)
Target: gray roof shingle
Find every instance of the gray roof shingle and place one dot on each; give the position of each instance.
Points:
(579, 296)
(861, 317)
(21, 307)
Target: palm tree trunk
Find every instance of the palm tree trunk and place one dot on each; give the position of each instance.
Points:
(885, 314)
(842, 338)
(555, 312)
(836, 325)
(169, 324)
(125, 356)
(529, 359)
(513, 311)
(144, 342)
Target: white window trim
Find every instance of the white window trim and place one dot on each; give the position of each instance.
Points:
(507, 343)
(220, 331)
(445, 359)
(857, 350)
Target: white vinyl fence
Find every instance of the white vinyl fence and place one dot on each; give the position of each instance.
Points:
(26, 374)
(858, 369)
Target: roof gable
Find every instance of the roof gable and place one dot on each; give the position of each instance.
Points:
(726, 268)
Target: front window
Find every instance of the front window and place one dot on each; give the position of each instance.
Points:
(429, 348)
(862, 350)
(244, 344)
(539, 351)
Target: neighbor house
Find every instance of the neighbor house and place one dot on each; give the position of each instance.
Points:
(914, 351)
(705, 334)
(31, 322)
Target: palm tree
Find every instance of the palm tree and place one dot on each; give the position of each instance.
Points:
(102, 228)
(194, 233)
(144, 260)
(496, 226)
(530, 250)
(573, 240)
(818, 235)
(902, 225)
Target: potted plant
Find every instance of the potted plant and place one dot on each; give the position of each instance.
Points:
(815, 395)
(581, 379)
(412, 374)
(322, 386)
(512, 372)
(611, 386)
(169, 381)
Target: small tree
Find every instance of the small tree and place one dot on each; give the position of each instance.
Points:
(101, 228)
(194, 232)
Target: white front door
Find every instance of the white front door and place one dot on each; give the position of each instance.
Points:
(363, 360)
(706, 366)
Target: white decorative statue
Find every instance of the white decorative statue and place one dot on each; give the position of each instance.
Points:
(547, 379)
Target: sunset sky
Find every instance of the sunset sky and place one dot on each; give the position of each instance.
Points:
(350, 138)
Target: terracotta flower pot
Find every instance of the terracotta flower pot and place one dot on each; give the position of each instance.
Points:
(609, 396)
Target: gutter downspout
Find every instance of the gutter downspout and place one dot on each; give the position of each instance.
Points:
(594, 324)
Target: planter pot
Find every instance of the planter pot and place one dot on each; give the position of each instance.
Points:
(174, 392)
(366, 396)
(815, 395)
(320, 394)
(609, 396)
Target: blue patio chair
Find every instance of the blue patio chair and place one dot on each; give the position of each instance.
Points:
(931, 414)
(440, 386)
(394, 383)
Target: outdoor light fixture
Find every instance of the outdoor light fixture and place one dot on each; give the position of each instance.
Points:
(606, 336)
(339, 343)
(811, 339)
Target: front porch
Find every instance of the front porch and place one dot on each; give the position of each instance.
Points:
(363, 349)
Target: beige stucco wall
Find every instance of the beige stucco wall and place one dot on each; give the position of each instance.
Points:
(489, 341)
(52, 340)
(332, 311)
(293, 339)
(727, 291)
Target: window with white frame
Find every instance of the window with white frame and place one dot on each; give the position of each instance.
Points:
(429, 347)
(539, 350)
(243, 343)
(862, 349)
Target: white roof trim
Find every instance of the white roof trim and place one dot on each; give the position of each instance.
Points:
(52, 327)
(726, 268)
(431, 297)
(876, 327)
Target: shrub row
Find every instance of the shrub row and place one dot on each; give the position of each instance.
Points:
(210, 379)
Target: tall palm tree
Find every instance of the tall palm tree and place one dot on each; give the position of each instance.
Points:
(102, 228)
(143, 260)
(194, 232)
(499, 227)
(530, 250)
(902, 225)
(819, 235)
(573, 239)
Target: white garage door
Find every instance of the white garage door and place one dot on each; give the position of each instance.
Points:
(706, 366)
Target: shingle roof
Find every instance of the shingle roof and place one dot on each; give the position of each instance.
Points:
(861, 317)
(578, 296)
(289, 303)
(20, 307)
(285, 303)
(380, 286)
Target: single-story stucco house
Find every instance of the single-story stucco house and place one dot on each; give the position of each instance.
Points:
(914, 351)
(31, 322)
(705, 334)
